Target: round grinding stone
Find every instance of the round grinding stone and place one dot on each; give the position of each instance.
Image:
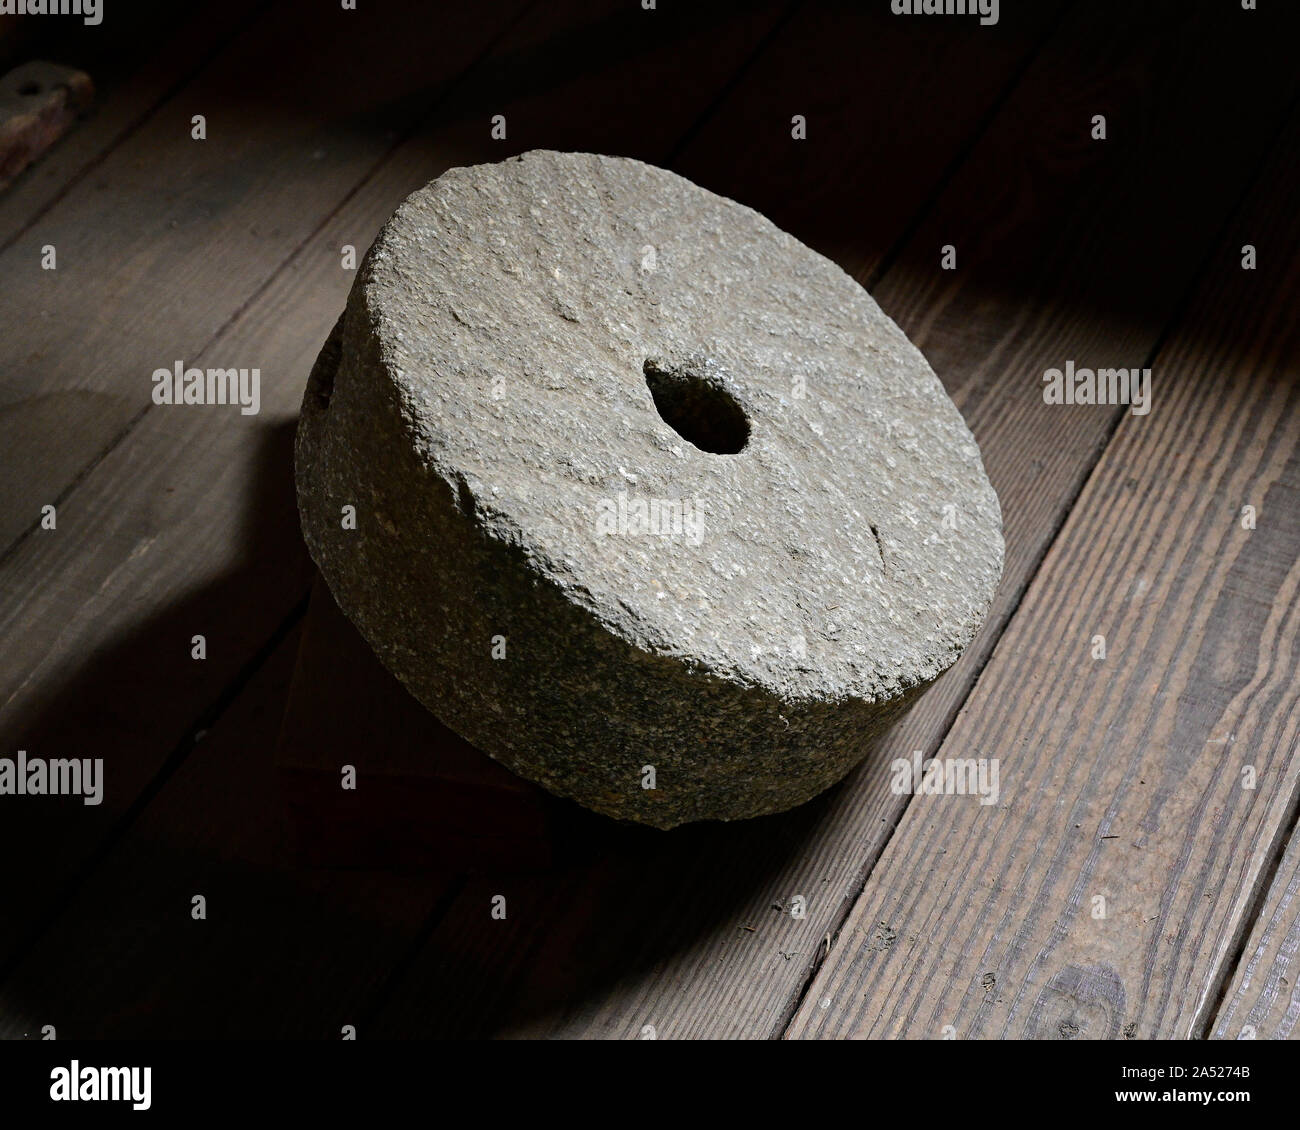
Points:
(640, 495)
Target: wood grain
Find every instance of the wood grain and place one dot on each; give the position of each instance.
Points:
(1105, 893)
(188, 525)
(130, 293)
(1262, 1001)
(679, 933)
(691, 932)
(136, 61)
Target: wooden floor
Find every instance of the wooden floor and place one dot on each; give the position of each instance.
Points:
(1139, 877)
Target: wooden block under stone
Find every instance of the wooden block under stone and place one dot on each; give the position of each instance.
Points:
(425, 798)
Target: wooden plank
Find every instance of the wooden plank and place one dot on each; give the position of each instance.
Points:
(1143, 793)
(859, 137)
(190, 518)
(136, 61)
(191, 529)
(129, 294)
(1262, 1001)
(688, 933)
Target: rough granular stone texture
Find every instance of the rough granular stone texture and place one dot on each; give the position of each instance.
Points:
(741, 599)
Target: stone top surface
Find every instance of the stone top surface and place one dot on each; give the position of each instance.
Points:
(519, 307)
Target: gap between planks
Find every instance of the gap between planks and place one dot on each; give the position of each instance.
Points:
(692, 980)
(871, 988)
(409, 167)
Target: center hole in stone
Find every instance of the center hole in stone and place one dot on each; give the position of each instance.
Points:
(701, 412)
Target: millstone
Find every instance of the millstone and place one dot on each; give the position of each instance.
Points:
(640, 495)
